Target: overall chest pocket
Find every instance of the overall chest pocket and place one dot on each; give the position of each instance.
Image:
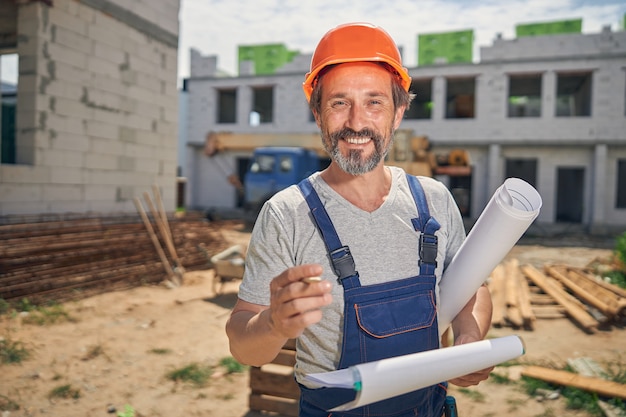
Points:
(392, 316)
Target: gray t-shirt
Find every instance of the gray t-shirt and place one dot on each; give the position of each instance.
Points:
(383, 243)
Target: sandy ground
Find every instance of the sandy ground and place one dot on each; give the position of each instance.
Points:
(187, 323)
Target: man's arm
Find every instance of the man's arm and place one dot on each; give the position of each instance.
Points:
(257, 333)
(474, 320)
(472, 325)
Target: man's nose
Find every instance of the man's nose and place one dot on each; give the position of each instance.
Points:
(357, 118)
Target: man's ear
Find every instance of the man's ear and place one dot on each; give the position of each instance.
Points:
(317, 117)
(399, 116)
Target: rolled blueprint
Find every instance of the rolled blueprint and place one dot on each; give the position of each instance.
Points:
(509, 213)
(386, 378)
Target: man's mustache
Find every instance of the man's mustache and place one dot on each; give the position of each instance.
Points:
(346, 132)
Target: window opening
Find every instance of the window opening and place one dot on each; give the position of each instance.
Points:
(263, 103)
(573, 95)
(227, 106)
(422, 105)
(524, 96)
(460, 98)
(8, 105)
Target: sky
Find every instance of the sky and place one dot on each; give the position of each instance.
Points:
(218, 27)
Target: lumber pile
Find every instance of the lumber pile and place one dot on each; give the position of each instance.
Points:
(65, 259)
(523, 293)
(273, 387)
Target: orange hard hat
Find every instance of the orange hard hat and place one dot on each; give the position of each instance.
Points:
(354, 42)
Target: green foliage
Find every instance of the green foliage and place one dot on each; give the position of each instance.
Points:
(129, 411)
(618, 275)
(531, 385)
(47, 315)
(194, 374)
(24, 304)
(160, 351)
(64, 391)
(5, 307)
(12, 351)
(616, 278)
(473, 394)
(499, 379)
(576, 399)
(232, 366)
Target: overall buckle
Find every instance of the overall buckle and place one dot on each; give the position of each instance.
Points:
(428, 249)
(343, 263)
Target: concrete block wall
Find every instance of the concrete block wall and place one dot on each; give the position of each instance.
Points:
(97, 107)
(595, 143)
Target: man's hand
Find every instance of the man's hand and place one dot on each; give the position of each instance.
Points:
(476, 377)
(257, 332)
(295, 303)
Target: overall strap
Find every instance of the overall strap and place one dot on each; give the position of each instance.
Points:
(425, 224)
(340, 256)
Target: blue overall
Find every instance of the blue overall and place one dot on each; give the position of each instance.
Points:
(394, 318)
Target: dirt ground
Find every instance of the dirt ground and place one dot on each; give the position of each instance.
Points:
(186, 325)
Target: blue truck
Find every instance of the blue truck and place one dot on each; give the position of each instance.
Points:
(272, 169)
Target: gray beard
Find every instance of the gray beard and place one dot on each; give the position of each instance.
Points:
(354, 163)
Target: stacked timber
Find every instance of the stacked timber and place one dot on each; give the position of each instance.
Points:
(66, 259)
(273, 387)
(523, 293)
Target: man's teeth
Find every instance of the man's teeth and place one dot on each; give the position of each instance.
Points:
(357, 141)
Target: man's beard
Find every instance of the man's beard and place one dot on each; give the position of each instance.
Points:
(353, 163)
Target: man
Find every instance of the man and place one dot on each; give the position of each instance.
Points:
(379, 239)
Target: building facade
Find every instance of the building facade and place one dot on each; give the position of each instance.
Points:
(548, 109)
(96, 111)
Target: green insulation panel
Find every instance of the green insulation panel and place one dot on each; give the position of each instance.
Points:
(445, 48)
(549, 28)
(267, 58)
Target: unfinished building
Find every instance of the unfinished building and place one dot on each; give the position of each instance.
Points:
(90, 122)
(549, 109)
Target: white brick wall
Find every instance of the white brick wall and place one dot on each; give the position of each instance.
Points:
(97, 104)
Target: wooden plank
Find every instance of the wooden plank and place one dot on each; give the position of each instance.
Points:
(290, 344)
(585, 294)
(549, 312)
(513, 313)
(542, 300)
(584, 319)
(597, 385)
(526, 310)
(273, 383)
(496, 285)
(621, 292)
(286, 357)
(282, 406)
(155, 241)
(612, 295)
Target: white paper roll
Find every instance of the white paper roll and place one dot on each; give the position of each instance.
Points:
(509, 213)
(396, 376)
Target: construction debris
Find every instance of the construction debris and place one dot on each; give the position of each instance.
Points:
(522, 294)
(228, 265)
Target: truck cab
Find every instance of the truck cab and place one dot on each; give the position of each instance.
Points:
(272, 169)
